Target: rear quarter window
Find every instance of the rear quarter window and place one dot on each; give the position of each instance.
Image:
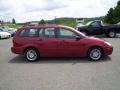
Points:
(29, 33)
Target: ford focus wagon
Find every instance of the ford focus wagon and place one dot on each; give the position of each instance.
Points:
(58, 41)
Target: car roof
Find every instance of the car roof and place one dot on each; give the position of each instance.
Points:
(46, 26)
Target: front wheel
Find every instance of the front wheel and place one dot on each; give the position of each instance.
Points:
(31, 55)
(95, 54)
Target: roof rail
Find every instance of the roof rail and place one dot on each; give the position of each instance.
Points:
(40, 25)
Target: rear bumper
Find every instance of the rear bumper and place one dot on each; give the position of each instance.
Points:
(17, 50)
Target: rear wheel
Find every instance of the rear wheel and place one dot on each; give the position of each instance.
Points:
(31, 54)
(95, 54)
(112, 34)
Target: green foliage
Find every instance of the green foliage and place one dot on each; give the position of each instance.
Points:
(113, 15)
(71, 24)
(63, 21)
(109, 16)
(66, 21)
(118, 3)
(14, 25)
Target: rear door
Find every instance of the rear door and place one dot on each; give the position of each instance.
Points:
(44, 39)
(48, 42)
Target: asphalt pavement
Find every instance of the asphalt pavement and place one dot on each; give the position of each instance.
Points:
(59, 73)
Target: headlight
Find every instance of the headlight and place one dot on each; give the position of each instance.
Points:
(108, 43)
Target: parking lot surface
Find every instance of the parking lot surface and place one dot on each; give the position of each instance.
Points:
(59, 73)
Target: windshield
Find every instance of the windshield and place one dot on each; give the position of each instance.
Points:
(89, 23)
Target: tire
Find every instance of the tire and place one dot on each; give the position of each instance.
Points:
(84, 32)
(112, 34)
(95, 53)
(12, 35)
(31, 55)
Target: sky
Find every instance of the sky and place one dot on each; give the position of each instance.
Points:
(35, 10)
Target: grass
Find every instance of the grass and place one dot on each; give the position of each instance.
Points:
(71, 24)
(66, 21)
(14, 26)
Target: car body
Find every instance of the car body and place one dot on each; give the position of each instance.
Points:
(97, 28)
(4, 35)
(9, 30)
(57, 41)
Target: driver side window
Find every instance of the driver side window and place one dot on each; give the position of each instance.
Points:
(66, 33)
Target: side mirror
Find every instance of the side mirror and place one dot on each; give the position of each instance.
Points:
(77, 37)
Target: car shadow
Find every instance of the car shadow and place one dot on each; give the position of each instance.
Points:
(4, 38)
(22, 60)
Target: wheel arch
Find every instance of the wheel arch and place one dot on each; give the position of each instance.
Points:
(29, 47)
(96, 46)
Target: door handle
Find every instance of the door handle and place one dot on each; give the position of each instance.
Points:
(63, 40)
(39, 40)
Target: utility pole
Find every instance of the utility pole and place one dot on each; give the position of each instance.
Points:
(55, 20)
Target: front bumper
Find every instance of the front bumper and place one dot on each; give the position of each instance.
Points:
(108, 50)
(5, 36)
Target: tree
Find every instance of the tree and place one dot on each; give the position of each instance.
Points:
(118, 3)
(116, 13)
(42, 22)
(109, 17)
(113, 15)
(13, 21)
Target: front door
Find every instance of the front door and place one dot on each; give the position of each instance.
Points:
(95, 28)
(68, 44)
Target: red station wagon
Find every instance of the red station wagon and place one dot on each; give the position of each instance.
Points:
(58, 41)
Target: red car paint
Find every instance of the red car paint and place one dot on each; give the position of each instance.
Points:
(56, 46)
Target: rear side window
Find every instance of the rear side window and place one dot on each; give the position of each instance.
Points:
(49, 32)
(30, 33)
